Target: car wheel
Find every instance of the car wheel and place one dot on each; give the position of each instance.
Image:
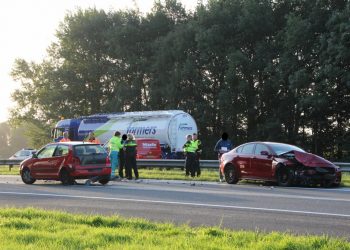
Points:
(104, 181)
(65, 178)
(231, 175)
(27, 177)
(284, 177)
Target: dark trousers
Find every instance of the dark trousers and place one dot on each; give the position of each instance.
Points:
(130, 163)
(197, 167)
(121, 164)
(190, 164)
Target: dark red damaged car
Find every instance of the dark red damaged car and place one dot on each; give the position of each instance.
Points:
(66, 162)
(278, 162)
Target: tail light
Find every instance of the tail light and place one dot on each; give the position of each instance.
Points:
(108, 161)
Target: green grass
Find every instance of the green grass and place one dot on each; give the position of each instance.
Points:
(4, 170)
(177, 174)
(38, 229)
(345, 180)
(173, 174)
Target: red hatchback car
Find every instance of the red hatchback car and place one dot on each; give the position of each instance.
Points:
(277, 162)
(67, 161)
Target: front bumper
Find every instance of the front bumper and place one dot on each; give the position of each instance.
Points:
(314, 176)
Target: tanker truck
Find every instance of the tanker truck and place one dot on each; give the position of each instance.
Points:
(170, 127)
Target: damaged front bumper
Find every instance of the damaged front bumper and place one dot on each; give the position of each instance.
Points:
(324, 176)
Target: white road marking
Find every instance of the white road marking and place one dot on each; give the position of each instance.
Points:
(230, 191)
(234, 192)
(179, 203)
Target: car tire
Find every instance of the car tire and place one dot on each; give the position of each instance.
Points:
(231, 175)
(27, 177)
(285, 176)
(104, 181)
(65, 178)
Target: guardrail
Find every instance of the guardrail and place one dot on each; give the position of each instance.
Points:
(168, 163)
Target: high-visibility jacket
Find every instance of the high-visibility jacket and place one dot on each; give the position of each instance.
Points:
(64, 139)
(197, 144)
(189, 147)
(130, 147)
(115, 143)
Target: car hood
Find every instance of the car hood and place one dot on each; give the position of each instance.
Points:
(311, 160)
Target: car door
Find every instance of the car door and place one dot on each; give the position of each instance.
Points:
(58, 159)
(262, 162)
(42, 166)
(244, 159)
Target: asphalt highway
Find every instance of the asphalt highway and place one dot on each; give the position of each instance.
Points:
(253, 207)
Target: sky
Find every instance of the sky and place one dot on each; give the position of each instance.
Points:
(28, 27)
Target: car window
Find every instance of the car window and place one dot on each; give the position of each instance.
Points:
(239, 150)
(248, 149)
(46, 152)
(24, 153)
(280, 148)
(61, 150)
(259, 148)
(88, 150)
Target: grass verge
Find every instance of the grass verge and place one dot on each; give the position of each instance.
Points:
(38, 229)
(172, 174)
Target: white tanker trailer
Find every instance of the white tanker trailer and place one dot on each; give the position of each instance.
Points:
(170, 127)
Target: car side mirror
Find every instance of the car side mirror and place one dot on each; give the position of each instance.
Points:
(34, 155)
(264, 153)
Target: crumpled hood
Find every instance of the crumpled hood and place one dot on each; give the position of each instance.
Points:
(311, 160)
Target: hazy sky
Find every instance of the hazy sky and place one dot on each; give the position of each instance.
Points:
(28, 26)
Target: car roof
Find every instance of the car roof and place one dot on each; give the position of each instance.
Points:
(74, 143)
(268, 143)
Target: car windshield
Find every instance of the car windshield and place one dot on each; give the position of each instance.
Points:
(284, 148)
(88, 149)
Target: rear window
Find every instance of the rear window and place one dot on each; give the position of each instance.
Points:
(81, 150)
(89, 154)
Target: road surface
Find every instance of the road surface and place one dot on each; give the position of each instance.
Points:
(253, 207)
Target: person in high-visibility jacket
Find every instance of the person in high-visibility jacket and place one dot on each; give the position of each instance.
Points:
(93, 139)
(114, 145)
(65, 137)
(190, 153)
(198, 146)
(121, 167)
(130, 157)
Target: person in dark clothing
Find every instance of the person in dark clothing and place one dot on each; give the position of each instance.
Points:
(122, 158)
(222, 146)
(130, 157)
(190, 153)
(198, 146)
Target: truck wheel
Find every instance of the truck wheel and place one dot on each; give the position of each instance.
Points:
(65, 178)
(231, 174)
(284, 177)
(27, 177)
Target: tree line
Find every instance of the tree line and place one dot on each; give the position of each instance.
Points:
(257, 69)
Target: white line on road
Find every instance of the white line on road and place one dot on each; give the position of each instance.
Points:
(237, 193)
(180, 203)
